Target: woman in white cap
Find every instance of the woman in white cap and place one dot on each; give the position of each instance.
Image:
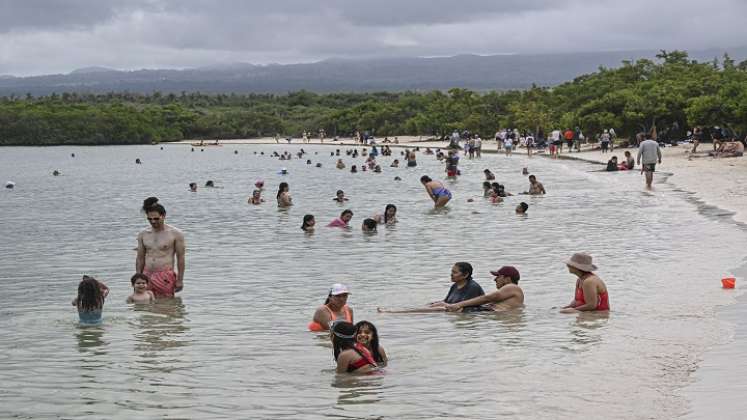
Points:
(334, 307)
(591, 292)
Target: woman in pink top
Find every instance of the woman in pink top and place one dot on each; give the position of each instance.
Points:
(343, 220)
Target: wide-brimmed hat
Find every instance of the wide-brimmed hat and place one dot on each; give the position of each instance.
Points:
(581, 261)
(339, 289)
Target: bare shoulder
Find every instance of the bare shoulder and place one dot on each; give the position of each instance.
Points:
(175, 232)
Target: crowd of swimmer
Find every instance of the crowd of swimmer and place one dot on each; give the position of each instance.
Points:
(356, 347)
(437, 192)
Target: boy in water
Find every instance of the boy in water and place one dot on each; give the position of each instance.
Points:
(141, 294)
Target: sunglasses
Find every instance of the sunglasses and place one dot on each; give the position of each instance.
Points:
(153, 219)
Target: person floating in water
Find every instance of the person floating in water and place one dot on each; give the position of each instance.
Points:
(157, 248)
(343, 221)
(210, 184)
(389, 217)
(256, 198)
(436, 191)
(508, 296)
(367, 335)
(340, 197)
(308, 223)
(591, 292)
(283, 196)
(141, 294)
(193, 187)
(90, 300)
(522, 208)
(351, 356)
(535, 187)
(369, 225)
(336, 306)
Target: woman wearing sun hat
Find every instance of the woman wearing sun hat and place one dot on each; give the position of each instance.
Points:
(334, 307)
(591, 292)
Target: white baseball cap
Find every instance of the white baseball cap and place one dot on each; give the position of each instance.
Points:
(339, 289)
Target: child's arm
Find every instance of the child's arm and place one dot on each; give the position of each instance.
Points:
(130, 299)
(75, 301)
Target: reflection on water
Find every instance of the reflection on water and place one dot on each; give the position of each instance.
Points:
(235, 345)
(91, 339)
(359, 389)
(160, 326)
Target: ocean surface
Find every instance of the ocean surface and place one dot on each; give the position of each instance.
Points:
(235, 345)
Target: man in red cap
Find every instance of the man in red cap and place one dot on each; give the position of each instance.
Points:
(509, 295)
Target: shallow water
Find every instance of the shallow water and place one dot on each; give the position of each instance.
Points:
(235, 344)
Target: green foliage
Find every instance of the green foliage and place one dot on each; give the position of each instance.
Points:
(673, 91)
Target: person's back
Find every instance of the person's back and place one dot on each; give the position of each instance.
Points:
(648, 152)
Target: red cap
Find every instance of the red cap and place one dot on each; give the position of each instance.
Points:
(508, 271)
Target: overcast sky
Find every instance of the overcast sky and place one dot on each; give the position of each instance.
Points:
(57, 36)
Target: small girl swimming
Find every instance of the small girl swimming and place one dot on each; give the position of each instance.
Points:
(367, 335)
(90, 300)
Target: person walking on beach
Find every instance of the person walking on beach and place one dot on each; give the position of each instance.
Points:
(157, 247)
(697, 137)
(649, 154)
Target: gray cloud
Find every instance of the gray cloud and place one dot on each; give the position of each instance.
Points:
(57, 36)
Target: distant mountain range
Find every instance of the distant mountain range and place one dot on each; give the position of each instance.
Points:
(495, 72)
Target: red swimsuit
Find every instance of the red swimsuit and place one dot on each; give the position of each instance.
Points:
(603, 303)
(366, 358)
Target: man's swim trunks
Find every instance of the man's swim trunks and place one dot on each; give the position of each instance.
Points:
(162, 283)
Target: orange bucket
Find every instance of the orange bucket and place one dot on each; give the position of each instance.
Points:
(728, 282)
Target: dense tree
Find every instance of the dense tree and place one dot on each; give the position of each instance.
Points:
(671, 94)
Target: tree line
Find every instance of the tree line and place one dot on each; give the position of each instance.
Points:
(672, 93)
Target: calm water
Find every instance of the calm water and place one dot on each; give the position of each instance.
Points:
(236, 344)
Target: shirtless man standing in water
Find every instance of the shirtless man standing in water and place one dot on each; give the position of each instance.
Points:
(156, 249)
